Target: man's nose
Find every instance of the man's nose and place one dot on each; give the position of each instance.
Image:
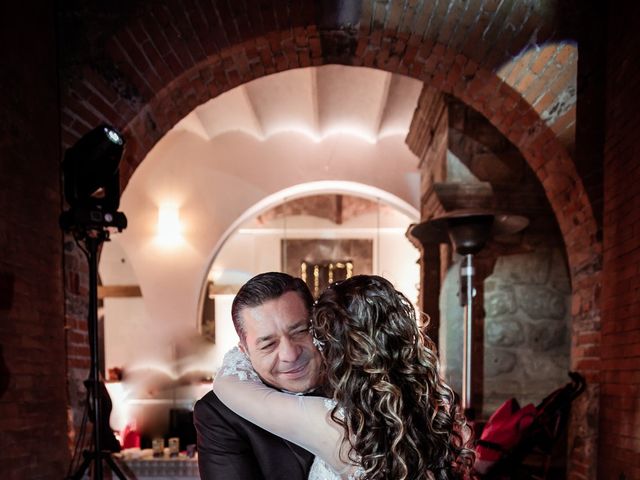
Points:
(289, 351)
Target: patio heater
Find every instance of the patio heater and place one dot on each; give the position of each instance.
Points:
(468, 230)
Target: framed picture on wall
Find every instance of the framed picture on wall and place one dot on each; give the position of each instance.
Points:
(319, 262)
(319, 276)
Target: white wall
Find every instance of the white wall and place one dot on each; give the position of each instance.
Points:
(149, 348)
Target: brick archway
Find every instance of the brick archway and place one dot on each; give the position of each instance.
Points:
(444, 69)
(171, 95)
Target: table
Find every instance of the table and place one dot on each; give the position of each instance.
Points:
(147, 467)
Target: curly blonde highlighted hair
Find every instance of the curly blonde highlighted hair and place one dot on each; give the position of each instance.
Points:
(400, 418)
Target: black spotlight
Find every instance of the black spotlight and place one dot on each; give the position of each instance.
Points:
(91, 178)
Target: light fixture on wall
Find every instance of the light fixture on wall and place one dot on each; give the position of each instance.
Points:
(169, 233)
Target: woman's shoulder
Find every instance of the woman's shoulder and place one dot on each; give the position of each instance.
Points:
(237, 364)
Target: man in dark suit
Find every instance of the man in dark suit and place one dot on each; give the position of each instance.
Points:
(271, 314)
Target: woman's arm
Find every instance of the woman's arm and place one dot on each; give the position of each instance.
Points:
(305, 421)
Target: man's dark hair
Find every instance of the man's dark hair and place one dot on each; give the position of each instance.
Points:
(262, 288)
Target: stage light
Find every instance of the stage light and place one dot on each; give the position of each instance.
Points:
(90, 169)
(91, 178)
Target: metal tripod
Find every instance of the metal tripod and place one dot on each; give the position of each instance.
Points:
(95, 455)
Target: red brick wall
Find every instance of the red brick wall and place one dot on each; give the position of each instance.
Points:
(179, 70)
(619, 452)
(76, 286)
(142, 66)
(33, 393)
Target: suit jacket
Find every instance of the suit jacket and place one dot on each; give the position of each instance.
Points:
(231, 448)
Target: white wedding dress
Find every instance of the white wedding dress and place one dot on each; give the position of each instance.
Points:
(303, 420)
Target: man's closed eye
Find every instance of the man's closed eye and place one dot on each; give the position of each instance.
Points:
(267, 347)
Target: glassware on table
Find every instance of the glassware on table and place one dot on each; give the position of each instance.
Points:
(157, 446)
(174, 446)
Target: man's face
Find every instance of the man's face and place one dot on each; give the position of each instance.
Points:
(279, 345)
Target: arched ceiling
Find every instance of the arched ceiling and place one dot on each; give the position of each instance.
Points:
(331, 125)
(315, 101)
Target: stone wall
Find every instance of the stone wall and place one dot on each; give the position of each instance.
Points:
(527, 339)
(525, 328)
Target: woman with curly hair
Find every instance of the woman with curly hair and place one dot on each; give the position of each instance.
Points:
(389, 415)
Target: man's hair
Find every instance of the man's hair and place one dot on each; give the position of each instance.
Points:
(262, 288)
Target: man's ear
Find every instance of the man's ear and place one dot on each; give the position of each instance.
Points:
(243, 347)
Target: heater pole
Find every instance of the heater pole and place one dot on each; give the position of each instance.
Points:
(467, 272)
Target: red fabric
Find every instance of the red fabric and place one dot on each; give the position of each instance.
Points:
(130, 437)
(505, 428)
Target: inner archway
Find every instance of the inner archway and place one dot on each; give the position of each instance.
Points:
(333, 225)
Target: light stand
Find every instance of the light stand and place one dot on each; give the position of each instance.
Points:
(468, 230)
(91, 186)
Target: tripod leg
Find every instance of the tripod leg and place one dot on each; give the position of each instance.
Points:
(79, 473)
(116, 468)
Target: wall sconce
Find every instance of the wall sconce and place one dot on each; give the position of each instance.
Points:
(169, 226)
